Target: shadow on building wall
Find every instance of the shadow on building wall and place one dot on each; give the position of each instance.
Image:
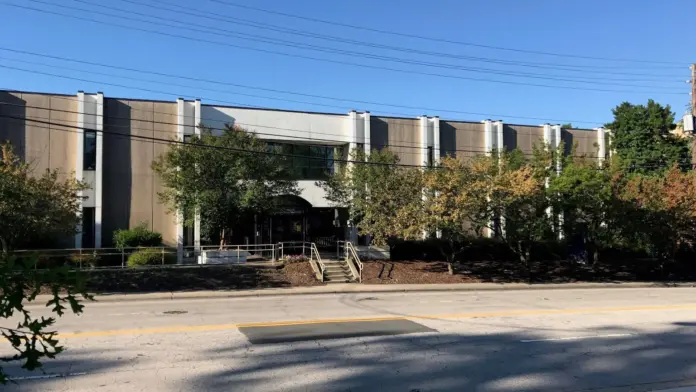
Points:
(117, 173)
(448, 140)
(12, 124)
(379, 134)
(568, 140)
(509, 137)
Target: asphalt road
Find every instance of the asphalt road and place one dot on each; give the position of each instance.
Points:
(556, 340)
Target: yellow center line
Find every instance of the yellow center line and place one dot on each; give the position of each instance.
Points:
(510, 313)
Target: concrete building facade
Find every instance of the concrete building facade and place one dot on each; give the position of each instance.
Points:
(111, 142)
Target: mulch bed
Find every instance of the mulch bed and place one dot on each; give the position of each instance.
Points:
(240, 277)
(223, 277)
(415, 272)
(404, 272)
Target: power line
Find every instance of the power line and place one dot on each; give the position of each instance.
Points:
(410, 123)
(169, 141)
(302, 138)
(433, 39)
(270, 27)
(198, 39)
(177, 142)
(285, 43)
(136, 88)
(388, 146)
(420, 109)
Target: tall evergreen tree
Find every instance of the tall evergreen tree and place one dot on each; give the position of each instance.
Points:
(642, 140)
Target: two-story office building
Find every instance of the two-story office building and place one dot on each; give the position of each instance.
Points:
(111, 142)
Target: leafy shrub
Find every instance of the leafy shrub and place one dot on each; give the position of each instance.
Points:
(145, 257)
(137, 236)
(90, 260)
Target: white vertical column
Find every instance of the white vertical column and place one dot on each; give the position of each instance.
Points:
(79, 156)
(436, 153)
(197, 218)
(180, 214)
(602, 146)
(423, 130)
(499, 139)
(488, 146)
(352, 134)
(559, 162)
(548, 134)
(99, 172)
(366, 133)
(424, 144)
(488, 140)
(548, 142)
(500, 148)
(436, 140)
(352, 145)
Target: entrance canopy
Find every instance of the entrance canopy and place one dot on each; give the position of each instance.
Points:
(290, 205)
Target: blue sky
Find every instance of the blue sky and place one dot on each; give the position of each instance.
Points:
(593, 28)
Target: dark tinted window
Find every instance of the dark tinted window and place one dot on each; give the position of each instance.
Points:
(89, 154)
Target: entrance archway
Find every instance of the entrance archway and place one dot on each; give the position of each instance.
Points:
(288, 220)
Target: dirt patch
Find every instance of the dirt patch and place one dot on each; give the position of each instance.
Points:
(300, 274)
(231, 277)
(556, 271)
(406, 272)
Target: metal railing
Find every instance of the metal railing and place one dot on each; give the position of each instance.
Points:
(95, 258)
(307, 249)
(117, 258)
(351, 257)
(254, 251)
(315, 253)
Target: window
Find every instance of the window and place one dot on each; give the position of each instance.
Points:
(89, 154)
(88, 227)
(431, 157)
(304, 161)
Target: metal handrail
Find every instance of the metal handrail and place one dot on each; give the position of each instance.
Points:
(322, 267)
(350, 251)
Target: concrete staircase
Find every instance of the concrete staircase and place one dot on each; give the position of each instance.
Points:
(337, 271)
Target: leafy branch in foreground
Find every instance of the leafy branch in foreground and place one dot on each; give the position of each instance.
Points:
(33, 339)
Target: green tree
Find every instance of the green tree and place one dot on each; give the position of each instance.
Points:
(586, 193)
(228, 178)
(33, 339)
(640, 135)
(502, 194)
(567, 126)
(384, 198)
(35, 207)
(447, 208)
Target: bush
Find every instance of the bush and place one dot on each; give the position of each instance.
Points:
(145, 257)
(137, 236)
(90, 260)
(294, 259)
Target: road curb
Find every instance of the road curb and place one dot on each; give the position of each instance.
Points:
(377, 289)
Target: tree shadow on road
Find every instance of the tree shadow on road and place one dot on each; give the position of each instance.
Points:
(67, 365)
(463, 362)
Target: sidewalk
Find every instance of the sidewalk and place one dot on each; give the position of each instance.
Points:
(353, 288)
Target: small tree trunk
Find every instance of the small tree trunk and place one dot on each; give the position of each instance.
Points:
(524, 254)
(5, 249)
(450, 269)
(595, 257)
(222, 238)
